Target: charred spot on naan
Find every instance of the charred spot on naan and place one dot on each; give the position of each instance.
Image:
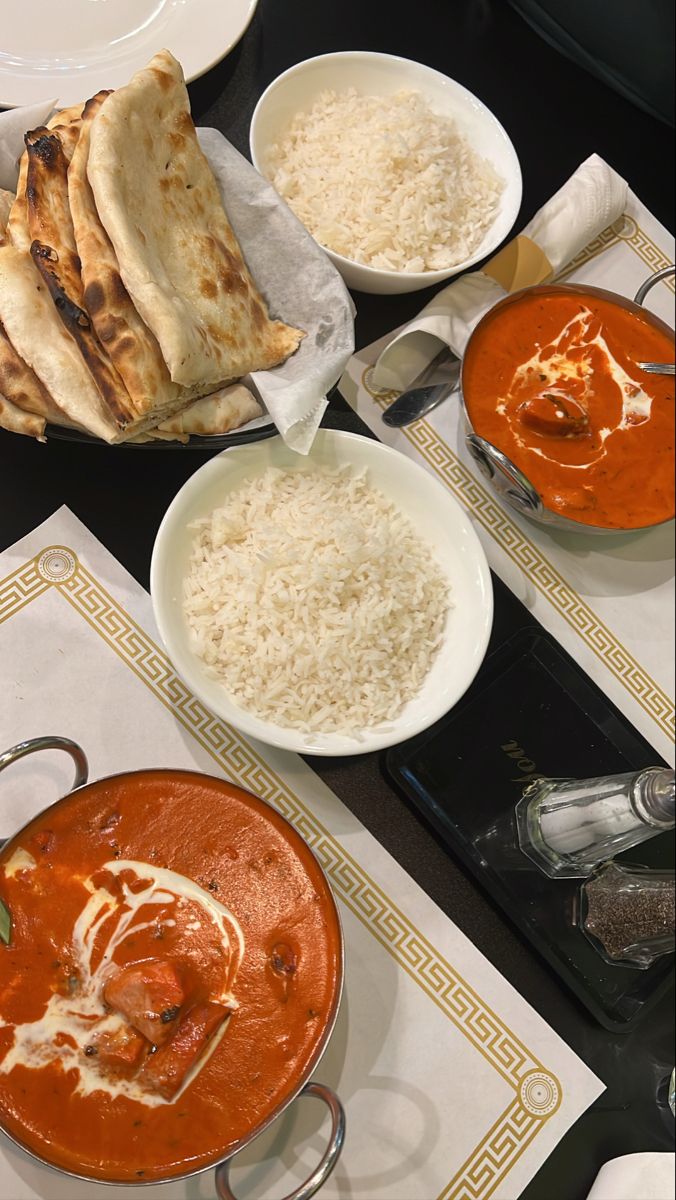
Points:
(45, 258)
(208, 288)
(43, 145)
(257, 314)
(231, 271)
(165, 80)
(96, 300)
(94, 103)
(185, 124)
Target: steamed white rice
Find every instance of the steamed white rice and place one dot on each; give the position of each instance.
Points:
(385, 182)
(313, 601)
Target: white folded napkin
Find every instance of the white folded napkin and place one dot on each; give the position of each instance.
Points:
(593, 197)
(636, 1177)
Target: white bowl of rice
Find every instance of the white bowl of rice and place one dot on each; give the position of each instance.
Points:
(402, 175)
(333, 605)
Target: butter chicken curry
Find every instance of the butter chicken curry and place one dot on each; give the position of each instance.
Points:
(551, 379)
(173, 970)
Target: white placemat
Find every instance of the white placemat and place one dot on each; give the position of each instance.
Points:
(609, 600)
(454, 1087)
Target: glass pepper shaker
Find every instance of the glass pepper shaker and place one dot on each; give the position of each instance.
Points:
(568, 826)
(628, 913)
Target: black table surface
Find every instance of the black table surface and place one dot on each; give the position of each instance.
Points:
(556, 114)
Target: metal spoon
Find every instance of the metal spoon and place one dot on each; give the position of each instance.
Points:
(419, 399)
(654, 368)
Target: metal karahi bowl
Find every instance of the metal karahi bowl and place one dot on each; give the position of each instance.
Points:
(303, 1086)
(511, 484)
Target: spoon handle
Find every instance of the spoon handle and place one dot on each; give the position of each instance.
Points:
(656, 368)
(417, 402)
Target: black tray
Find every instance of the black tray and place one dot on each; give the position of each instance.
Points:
(531, 710)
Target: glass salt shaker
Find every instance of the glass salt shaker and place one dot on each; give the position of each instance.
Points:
(568, 826)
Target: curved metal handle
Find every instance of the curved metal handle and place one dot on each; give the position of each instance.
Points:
(505, 475)
(650, 283)
(20, 751)
(325, 1167)
(49, 743)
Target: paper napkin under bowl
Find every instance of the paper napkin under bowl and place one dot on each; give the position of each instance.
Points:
(593, 197)
(636, 1177)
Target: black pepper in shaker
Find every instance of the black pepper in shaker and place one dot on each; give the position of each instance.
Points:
(628, 913)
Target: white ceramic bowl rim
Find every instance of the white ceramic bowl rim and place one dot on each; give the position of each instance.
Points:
(431, 277)
(473, 582)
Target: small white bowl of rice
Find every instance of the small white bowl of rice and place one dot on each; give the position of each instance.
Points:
(403, 176)
(333, 605)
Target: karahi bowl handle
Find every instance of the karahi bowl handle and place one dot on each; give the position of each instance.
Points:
(656, 277)
(323, 1170)
(49, 743)
(31, 746)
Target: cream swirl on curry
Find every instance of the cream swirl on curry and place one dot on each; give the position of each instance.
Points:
(128, 1030)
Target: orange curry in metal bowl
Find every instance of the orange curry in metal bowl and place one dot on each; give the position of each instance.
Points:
(173, 972)
(551, 379)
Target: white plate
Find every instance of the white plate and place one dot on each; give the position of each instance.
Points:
(67, 51)
(431, 510)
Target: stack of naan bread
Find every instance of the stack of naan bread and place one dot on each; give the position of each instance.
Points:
(126, 306)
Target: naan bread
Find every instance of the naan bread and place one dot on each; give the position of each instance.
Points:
(15, 420)
(219, 413)
(178, 256)
(34, 329)
(17, 221)
(6, 201)
(55, 255)
(21, 386)
(49, 222)
(132, 348)
(66, 116)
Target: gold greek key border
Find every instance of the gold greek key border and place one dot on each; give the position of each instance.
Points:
(515, 1129)
(19, 589)
(517, 545)
(624, 229)
(494, 1156)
